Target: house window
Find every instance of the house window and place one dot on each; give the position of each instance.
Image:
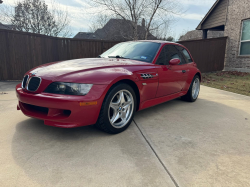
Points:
(245, 38)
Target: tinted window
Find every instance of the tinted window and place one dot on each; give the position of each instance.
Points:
(185, 54)
(168, 53)
(143, 51)
(179, 56)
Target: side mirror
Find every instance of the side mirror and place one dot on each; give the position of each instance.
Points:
(174, 61)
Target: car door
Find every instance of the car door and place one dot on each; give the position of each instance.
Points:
(172, 78)
(190, 66)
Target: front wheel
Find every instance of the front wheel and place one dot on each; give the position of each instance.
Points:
(193, 91)
(117, 110)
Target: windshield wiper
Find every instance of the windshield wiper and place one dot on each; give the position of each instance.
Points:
(118, 56)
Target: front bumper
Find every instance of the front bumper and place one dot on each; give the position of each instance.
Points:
(62, 110)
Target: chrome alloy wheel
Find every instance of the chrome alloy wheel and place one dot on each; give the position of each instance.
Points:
(196, 88)
(121, 108)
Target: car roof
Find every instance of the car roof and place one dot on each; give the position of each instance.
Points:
(156, 41)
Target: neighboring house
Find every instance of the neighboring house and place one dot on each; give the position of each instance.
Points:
(118, 30)
(197, 35)
(7, 27)
(85, 35)
(232, 17)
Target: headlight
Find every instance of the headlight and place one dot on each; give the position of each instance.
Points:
(68, 88)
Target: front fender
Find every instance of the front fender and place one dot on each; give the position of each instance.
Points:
(147, 88)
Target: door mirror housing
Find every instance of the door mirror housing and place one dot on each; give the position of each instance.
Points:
(174, 61)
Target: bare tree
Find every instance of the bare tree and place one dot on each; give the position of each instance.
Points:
(36, 17)
(170, 39)
(183, 33)
(6, 13)
(157, 13)
(99, 22)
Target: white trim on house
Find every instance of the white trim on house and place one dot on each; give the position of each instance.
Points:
(242, 41)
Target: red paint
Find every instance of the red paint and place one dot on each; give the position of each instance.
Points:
(167, 83)
(174, 61)
(159, 100)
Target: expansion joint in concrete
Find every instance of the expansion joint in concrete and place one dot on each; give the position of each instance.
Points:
(157, 156)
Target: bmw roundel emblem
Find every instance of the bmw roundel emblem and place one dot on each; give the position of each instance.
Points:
(33, 74)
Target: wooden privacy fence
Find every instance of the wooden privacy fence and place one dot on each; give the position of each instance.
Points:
(209, 54)
(20, 51)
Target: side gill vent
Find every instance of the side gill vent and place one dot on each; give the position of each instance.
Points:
(147, 76)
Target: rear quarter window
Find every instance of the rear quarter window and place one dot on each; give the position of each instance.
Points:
(185, 54)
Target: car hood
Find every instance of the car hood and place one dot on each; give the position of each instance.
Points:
(54, 70)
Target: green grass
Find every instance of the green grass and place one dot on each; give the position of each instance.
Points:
(232, 81)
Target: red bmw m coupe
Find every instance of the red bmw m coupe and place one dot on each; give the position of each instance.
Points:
(108, 90)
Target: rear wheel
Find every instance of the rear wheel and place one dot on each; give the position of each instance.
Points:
(193, 91)
(117, 110)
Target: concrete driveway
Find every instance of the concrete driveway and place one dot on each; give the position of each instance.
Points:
(206, 143)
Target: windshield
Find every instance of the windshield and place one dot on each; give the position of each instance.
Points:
(143, 51)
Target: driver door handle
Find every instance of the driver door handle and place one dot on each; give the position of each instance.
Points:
(183, 71)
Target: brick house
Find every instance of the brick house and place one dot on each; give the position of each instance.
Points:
(232, 17)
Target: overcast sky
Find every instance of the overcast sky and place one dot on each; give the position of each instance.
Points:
(195, 10)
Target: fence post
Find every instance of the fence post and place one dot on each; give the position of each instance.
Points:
(8, 62)
(102, 44)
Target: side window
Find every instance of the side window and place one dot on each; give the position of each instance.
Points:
(245, 38)
(172, 53)
(185, 54)
(180, 57)
(168, 53)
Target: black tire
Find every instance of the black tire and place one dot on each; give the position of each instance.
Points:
(103, 122)
(188, 97)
